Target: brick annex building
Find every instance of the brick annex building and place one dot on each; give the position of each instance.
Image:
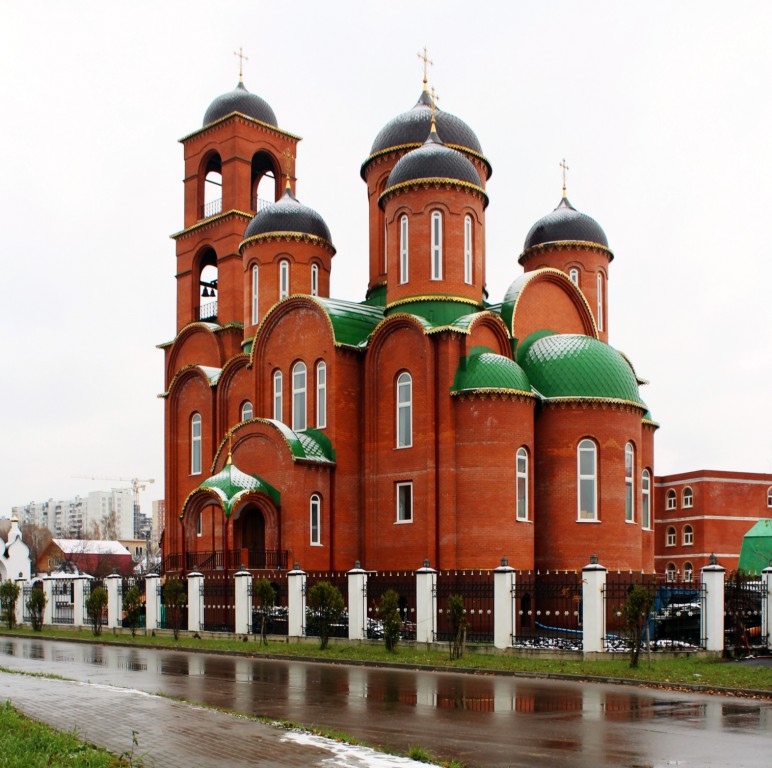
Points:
(422, 422)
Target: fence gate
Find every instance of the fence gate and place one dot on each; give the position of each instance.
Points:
(744, 603)
(476, 590)
(401, 582)
(219, 603)
(277, 621)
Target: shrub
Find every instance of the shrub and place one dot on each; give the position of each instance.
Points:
(326, 602)
(458, 625)
(635, 613)
(36, 604)
(132, 607)
(265, 595)
(9, 594)
(96, 605)
(388, 612)
(175, 599)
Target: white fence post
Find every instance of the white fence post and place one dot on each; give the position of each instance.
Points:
(593, 606)
(296, 602)
(152, 601)
(78, 601)
(712, 616)
(425, 603)
(195, 601)
(243, 594)
(48, 591)
(766, 604)
(114, 601)
(357, 603)
(504, 623)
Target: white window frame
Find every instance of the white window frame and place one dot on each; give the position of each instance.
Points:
(769, 497)
(671, 536)
(687, 498)
(671, 572)
(688, 536)
(646, 499)
(521, 474)
(586, 446)
(629, 483)
(573, 275)
(255, 296)
(671, 499)
(436, 245)
(247, 412)
(404, 250)
(315, 520)
(299, 399)
(404, 515)
(404, 398)
(321, 394)
(314, 279)
(284, 279)
(468, 252)
(688, 571)
(196, 432)
(278, 399)
(600, 301)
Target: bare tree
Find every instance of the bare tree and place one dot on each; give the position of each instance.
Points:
(37, 538)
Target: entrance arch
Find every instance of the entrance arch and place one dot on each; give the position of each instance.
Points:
(256, 535)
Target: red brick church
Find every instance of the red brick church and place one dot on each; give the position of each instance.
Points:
(439, 418)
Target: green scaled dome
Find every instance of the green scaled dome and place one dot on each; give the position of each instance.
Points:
(576, 366)
(488, 371)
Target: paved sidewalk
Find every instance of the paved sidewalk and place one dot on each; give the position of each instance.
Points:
(174, 734)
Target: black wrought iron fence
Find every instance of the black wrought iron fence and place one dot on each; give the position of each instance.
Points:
(128, 583)
(277, 619)
(338, 579)
(404, 584)
(173, 614)
(88, 587)
(548, 610)
(475, 588)
(745, 600)
(219, 592)
(62, 601)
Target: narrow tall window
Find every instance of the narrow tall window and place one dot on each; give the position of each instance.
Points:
(385, 249)
(688, 571)
(468, 250)
(436, 245)
(646, 498)
(522, 484)
(255, 314)
(283, 279)
(688, 536)
(321, 395)
(314, 279)
(629, 489)
(688, 498)
(670, 500)
(587, 496)
(195, 444)
(404, 502)
(404, 411)
(769, 498)
(277, 396)
(299, 397)
(200, 524)
(670, 537)
(670, 572)
(246, 411)
(600, 301)
(403, 250)
(573, 274)
(316, 523)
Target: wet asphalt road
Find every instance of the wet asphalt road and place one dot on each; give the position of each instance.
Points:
(479, 720)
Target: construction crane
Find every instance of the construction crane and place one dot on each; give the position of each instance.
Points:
(137, 485)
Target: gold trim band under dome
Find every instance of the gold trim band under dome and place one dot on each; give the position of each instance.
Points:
(296, 236)
(435, 181)
(434, 297)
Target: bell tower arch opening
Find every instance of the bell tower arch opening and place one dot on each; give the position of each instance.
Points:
(266, 181)
(211, 174)
(206, 286)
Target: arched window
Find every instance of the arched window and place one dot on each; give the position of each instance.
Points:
(670, 572)
(436, 251)
(314, 279)
(404, 261)
(316, 521)
(670, 537)
(299, 397)
(573, 274)
(522, 484)
(468, 249)
(646, 499)
(212, 187)
(769, 497)
(200, 524)
(688, 537)
(385, 249)
(321, 395)
(246, 411)
(688, 498)
(284, 275)
(277, 396)
(600, 301)
(670, 500)
(587, 485)
(255, 314)
(629, 489)
(195, 444)
(404, 410)
(688, 571)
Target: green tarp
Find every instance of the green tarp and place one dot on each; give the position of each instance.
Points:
(756, 551)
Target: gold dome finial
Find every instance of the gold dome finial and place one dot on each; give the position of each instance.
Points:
(229, 460)
(435, 99)
(565, 168)
(242, 59)
(427, 62)
(289, 157)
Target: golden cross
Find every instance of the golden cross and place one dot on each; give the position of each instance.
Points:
(242, 59)
(435, 99)
(565, 168)
(426, 60)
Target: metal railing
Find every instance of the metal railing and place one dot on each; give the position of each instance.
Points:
(219, 603)
(475, 588)
(745, 601)
(207, 310)
(404, 584)
(211, 208)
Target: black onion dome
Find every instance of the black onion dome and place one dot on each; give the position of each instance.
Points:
(242, 101)
(288, 215)
(433, 160)
(565, 223)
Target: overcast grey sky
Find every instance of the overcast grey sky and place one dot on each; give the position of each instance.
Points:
(662, 110)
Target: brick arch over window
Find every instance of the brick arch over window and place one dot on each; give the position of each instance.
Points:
(209, 185)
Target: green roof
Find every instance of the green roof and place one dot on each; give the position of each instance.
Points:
(756, 552)
(352, 323)
(439, 311)
(576, 366)
(230, 484)
(311, 445)
(484, 370)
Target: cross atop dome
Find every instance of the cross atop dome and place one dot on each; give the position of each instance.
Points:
(427, 62)
(242, 59)
(564, 168)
